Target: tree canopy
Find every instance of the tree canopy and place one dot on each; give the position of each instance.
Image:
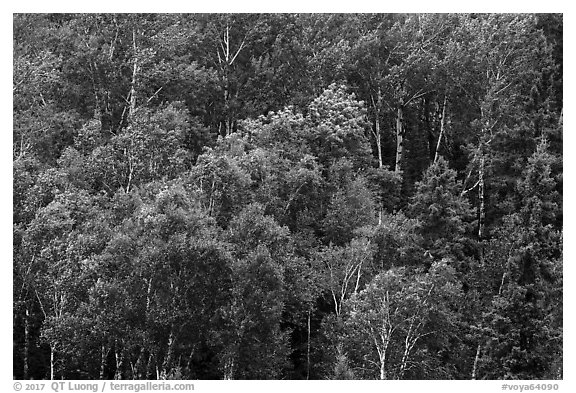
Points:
(287, 196)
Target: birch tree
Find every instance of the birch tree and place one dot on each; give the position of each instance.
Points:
(344, 270)
(395, 315)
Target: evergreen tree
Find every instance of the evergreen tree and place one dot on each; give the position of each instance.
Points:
(526, 311)
(443, 213)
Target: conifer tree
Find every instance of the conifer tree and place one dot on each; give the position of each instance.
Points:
(443, 213)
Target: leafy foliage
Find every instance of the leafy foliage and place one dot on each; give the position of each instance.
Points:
(303, 196)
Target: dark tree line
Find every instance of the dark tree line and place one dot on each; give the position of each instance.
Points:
(267, 196)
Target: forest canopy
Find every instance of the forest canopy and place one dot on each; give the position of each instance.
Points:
(287, 196)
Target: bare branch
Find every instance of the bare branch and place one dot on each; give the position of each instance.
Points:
(504, 88)
(417, 95)
(238, 51)
(41, 304)
(154, 95)
(464, 192)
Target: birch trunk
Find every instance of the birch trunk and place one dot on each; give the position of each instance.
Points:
(229, 368)
(226, 60)
(149, 366)
(52, 360)
(103, 356)
(140, 364)
(429, 119)
(475, 366)
(26, 342)
(482, 211)
(399, 136)
(190, 358)
(382, 349)
(383, 375)
(119, 363)
(227, 104)
(404, 361)
(134, 75)
(308, 350)
(441, 130)
(377, 137)
(377, 129)
(167, 364)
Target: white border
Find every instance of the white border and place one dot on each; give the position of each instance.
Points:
(295, 6)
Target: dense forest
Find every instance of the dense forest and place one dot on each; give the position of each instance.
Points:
(287, 196)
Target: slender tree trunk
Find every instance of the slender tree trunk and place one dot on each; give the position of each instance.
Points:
(383, 375)
(382, 355)
(229, 368)
(26, 342)
(119, 362)
(103, 356)
(428, 119)
(227, 82)
(482, 211)
(189, 362)
(231, 355)
(140, 366)
(134, 75)
(378, 138)
(226, 104)
(149, 366)
(378, 141)
(377, 129)
(226, 60)
(167, 364)
(475, 366)
(148, 297)
(358, 275)
(52, 360)
(501, 287)
(128, 153)
(404, 361)
(399, 136)
(409, 342)
(308, 350)
(442, 121)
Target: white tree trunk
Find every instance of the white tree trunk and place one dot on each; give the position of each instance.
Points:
(167, 365)
(475, 367)
(482, 213)
(308, 350)
(52, 360)
(134, 75)
(442, 122)
(103, 355)
(383, 375)
(26, 342)
(399, 137)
